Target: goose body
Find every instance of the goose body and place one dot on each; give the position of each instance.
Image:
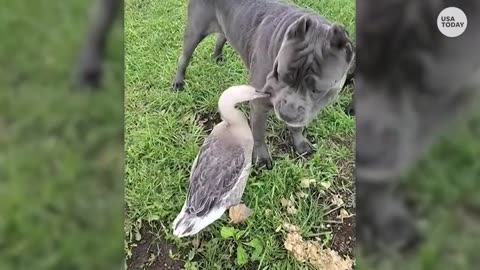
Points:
(220, 170)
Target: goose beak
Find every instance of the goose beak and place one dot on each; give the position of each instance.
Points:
(259, 94)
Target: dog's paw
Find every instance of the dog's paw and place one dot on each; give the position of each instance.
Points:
(303, 147)
(178, 85)
(219, 59)
(261, 158)
(89, 78)
(88, 72)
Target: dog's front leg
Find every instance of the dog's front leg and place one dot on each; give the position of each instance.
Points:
(88, 69)
(258, 123)
(301, 144)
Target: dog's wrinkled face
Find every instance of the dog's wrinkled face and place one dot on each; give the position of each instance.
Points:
(309, 71)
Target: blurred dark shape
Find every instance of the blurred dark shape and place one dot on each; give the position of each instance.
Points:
(88, 71)
(411, 83)
(61, 152)
(350, 109)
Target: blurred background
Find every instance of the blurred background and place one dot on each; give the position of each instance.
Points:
(418, 125)
(61, 147)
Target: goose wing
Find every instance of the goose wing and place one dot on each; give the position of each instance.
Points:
(215, 172)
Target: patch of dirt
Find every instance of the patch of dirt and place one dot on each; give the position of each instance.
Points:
(343, 240)
(281, 143)
(349, 142)
(209, 120)
(343, 232)
(152, 253)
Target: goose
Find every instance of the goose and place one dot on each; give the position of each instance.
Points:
(220, 171)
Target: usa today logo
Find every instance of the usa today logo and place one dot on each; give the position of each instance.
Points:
(452, 22)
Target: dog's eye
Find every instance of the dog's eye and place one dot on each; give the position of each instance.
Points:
(289, 78)
(317, 91)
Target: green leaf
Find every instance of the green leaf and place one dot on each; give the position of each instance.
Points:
(227, 232)
(191, 265)
(191, 255)
(258, 248)
(239, 234)
(153, 218)
(242, 257)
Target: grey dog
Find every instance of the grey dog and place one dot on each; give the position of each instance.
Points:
(294, 54)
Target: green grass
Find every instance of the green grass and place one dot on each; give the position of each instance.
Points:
(61, 154)
(163, 136)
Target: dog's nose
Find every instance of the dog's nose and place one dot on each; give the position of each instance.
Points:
(291, 112)
(287, 117)
(292, 108)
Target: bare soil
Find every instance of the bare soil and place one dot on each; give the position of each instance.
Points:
(152, 253)
(209, 120)
(343, 240)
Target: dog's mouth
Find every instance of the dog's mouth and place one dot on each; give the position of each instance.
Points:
(298, 121)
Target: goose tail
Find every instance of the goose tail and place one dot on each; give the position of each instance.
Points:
(186, 224)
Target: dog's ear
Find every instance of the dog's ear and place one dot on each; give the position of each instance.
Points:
(273, 74)
(272, 79)
(300, 28)
(337, 37)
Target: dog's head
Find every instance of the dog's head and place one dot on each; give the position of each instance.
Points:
(309, 70)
